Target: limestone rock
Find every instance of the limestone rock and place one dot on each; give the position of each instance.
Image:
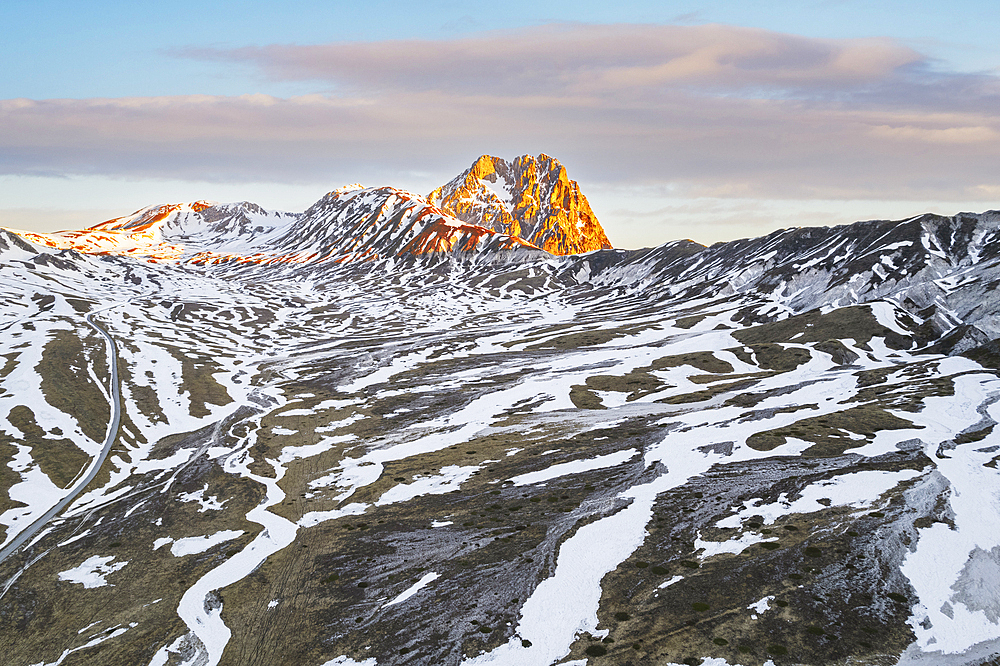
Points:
(531, 198)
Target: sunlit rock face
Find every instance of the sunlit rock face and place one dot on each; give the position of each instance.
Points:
(531, 198)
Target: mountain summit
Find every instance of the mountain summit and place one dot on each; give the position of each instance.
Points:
(531, 198)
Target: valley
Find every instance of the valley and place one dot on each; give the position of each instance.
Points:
(337, 448)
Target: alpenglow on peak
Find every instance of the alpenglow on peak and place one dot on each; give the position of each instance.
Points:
(531, 198)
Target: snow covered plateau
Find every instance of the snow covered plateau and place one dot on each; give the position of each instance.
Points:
(374, 433)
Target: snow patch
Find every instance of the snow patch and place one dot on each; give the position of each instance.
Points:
(93, 572)
(199, 544)
(668, 583)
(211, 503)
(450, 478)
(859, 490)
(413, 589)
(763, 605)
(347, 661)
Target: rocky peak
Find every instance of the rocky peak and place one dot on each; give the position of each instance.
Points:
(531, 198)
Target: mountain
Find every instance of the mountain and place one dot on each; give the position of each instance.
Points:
(349, 224)
(531, 198)
(541, 209)
(373, 433)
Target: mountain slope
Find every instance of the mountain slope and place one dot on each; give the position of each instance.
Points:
(777, 450)
(348, 224)
(361, 225)
(941, 270)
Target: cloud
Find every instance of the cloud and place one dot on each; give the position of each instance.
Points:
(576, 59)
(711, 111)
(956, 135)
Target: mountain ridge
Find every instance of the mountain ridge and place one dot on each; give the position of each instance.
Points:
(823, 266)
(562, 221)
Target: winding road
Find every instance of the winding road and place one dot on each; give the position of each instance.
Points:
(96, 463)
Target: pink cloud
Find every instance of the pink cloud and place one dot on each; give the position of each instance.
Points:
(557, 59)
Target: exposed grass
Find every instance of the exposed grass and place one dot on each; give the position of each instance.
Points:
(8, 478)
(577, 340)
(583, 398)
(59, 459)
(856, 322)
(704, 361)
(777, 358)
(974, 436)
(690, 321)
(836, 349)
(636, 383)
(830, 431)
(67, 384)
(640, 382)
(197, 380)
(909, 395)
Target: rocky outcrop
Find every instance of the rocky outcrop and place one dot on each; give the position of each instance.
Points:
(531, 198)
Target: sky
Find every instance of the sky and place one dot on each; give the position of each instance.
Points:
(702, 120)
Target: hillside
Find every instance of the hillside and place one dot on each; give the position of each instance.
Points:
(376, 433)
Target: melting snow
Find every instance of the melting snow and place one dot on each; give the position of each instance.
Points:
(290, 453)
(113, 632)
(733, 546)
(953, 571)
(949, 568)
(211, 503)
(762, 605)
(612, 399)
(199, 544)
(885, 314)
(93, 572)
(859, 490)
(413, 589)
(347, 661)
(316, 517)
(668, 583)
(451, 478)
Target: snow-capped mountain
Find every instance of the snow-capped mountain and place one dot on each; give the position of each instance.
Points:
(494, 205)
(531, 198)
(374, 433)
(349, 224)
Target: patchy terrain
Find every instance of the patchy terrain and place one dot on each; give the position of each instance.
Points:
(778, 450)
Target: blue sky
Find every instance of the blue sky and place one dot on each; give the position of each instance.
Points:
(712, 120)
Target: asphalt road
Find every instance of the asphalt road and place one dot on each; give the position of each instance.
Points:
(95, 466)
